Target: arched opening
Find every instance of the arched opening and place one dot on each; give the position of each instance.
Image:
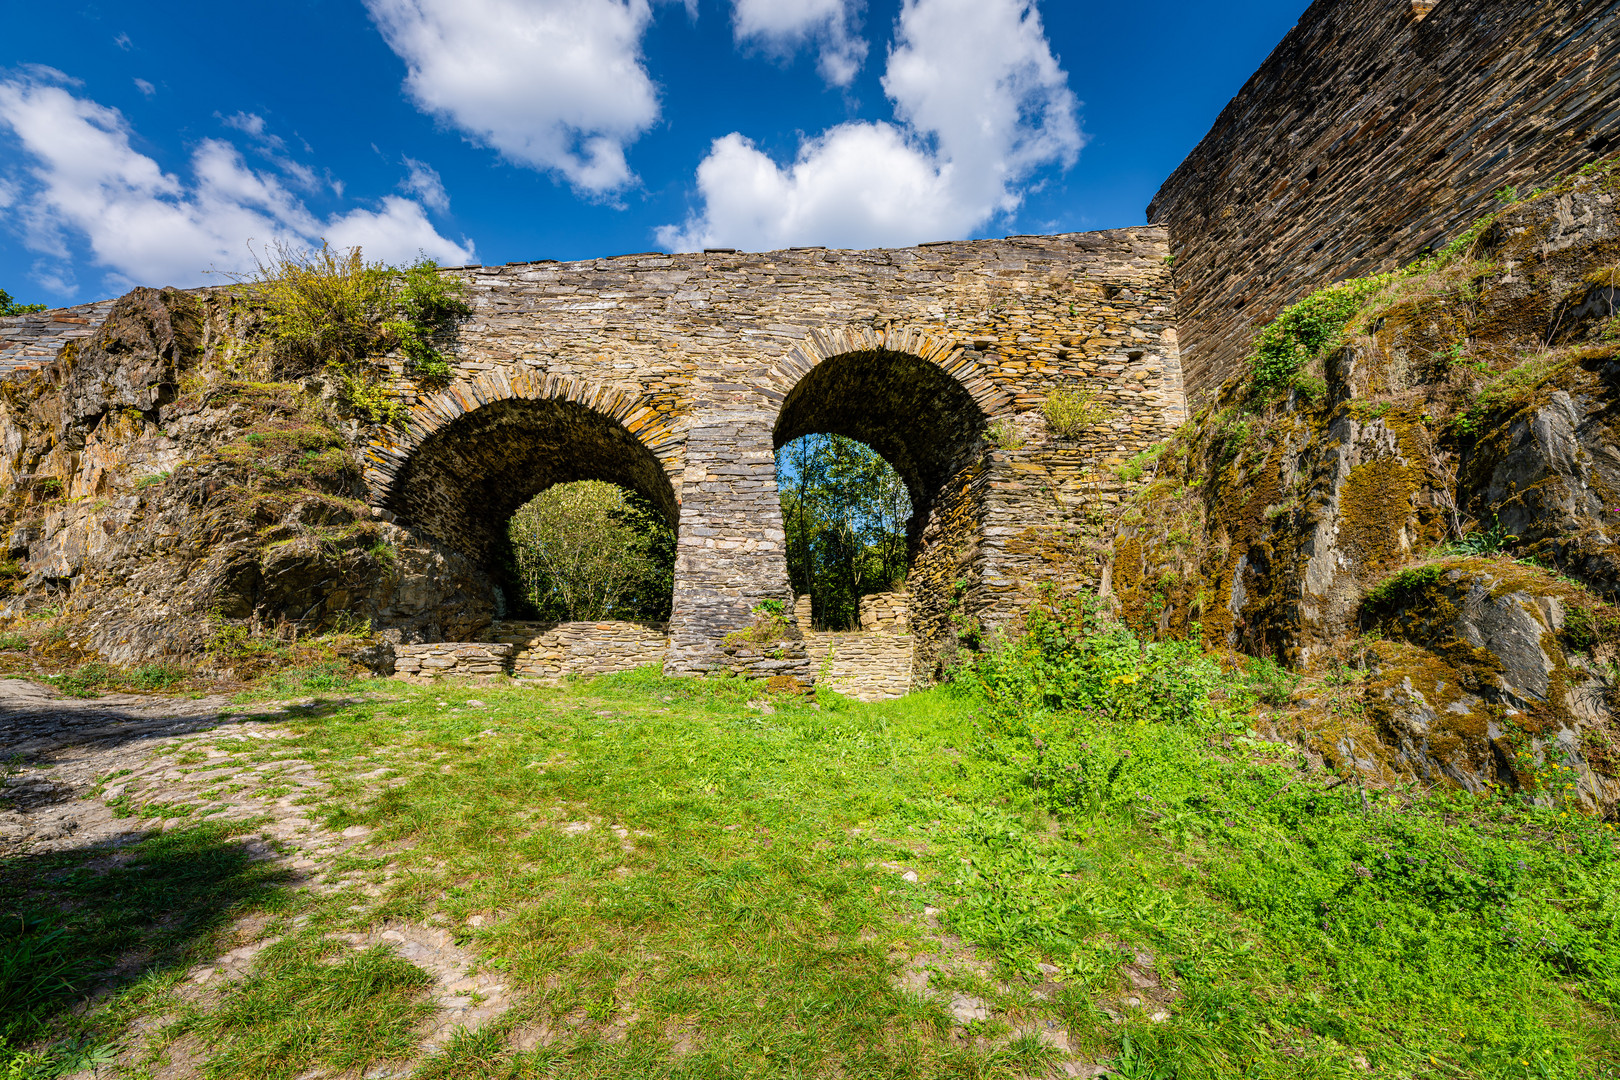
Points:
(465, 482)
(924, 425)
(846, 519)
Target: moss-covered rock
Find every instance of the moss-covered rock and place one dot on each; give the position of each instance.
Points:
(1469, 406)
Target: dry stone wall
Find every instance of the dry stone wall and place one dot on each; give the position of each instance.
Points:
(1376, 129)
(551, 652)
(453, 658)
(680, 375)
(26, 341)
(545, 652)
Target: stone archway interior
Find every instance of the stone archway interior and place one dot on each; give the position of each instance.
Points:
(466, 480)
(919, 419)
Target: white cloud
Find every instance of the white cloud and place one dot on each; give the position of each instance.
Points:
(782, 27)
(981, 104)
(425, 183)
(84, 180)
(123, 42)
(555, 85)
(145, 87)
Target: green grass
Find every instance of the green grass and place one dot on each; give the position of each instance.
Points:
(728, 913)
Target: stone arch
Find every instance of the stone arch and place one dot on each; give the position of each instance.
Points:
(923, 403)
(917, 399)
(467, 457)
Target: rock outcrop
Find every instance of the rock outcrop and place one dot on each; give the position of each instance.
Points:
(1471, 412)
(170, 495)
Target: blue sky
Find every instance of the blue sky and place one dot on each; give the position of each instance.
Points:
(146, 144)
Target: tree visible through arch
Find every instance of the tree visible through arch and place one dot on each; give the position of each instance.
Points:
(591, 550)
(846, 514)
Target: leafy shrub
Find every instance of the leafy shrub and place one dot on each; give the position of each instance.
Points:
(332, 310)
(1308, 329)
(593, 550)
(1270, 682)
(1070, 414)
(9, 307)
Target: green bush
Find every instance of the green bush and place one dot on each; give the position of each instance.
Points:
(9, 307)
(1308, 329)
(332, 310)
(1070, 414)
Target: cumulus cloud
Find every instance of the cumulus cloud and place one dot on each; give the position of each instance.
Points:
(555, 85)
(84, 181)
(425, 183)
(980, 104)
(145, 87)
(782, 27)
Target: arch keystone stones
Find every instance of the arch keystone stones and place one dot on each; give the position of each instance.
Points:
(391, 448)
(944, 352)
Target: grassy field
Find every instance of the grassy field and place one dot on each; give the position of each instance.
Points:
(683, 878)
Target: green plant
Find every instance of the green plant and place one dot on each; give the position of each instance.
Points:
(1308, 329)
(1270, 682)
(1005, 434)
(1141, 462)
(331, 310)
(1071, 414)
(13, 643)
(9, 307)
(1484, 541)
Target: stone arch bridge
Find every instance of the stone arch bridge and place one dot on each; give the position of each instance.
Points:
(680, 375)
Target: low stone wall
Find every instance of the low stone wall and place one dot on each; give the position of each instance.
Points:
(543, 651)
(550, 651)
(869, 666)
(453, 658)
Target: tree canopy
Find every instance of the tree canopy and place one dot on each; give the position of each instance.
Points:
(593, 550)
(846, 513)
(8, 306)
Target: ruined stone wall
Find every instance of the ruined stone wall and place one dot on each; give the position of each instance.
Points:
(545, 652)
(1376, 129)
(551, 652)
(702, 365)
(29, 340)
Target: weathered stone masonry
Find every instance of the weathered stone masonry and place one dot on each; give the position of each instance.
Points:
(679, 376)
(1376, 129)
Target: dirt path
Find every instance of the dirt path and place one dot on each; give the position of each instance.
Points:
(95, 776)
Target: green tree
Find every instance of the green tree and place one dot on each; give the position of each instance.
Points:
(846, 513)
(8, 306)
(592, 550)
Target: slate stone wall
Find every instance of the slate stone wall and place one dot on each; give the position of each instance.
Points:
(27, 341)
(680, 375)
(1376, 129)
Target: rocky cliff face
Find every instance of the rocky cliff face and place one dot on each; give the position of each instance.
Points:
(1428, 515)
(169, 495)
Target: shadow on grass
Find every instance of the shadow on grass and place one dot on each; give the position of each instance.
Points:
(79, 928)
